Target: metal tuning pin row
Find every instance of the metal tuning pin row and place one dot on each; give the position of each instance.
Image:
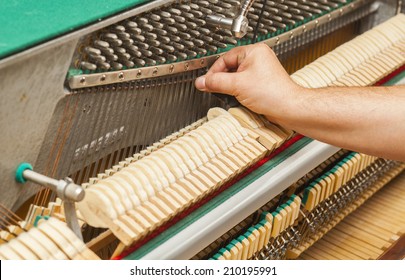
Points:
(180, 31)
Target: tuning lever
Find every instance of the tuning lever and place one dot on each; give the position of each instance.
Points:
(238, 25)
(65, 189)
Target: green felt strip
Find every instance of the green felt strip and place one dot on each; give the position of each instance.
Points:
(305, 195)
(395, 80)
(323, 176)
(240, 238)
(223, 251)
(257, 226)
(260, 224)
(229, 247)
(218, 200)
(26, 23)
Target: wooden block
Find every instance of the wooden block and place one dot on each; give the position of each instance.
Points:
(329, 180)
(245, 247)
(297, 200)
(238, 246)
(48, 243)
(59, 240)
(247, 120)
(339, 178)
(311, 199)
(113, 198)
(135, 228)
(295, 212)
(129, 178)
(125, 192)
(35, 246)
(262, 237)
(323, 190)
(284, 217)
(8, 253)
(251, 239)
(276, 227)
(256, 235)
(289, 217)
(225, 254)
(268, 226)
(96, 208)
(157, 211)
(318, 191)
(140, 220)
(189, 187)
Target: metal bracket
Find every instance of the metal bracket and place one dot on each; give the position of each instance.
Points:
(65, 189)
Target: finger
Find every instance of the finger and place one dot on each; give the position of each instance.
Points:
(229, 61)
(218, 82)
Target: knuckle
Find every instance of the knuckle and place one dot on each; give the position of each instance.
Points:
(210, 81)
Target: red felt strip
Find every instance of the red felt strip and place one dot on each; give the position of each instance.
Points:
(390, 76)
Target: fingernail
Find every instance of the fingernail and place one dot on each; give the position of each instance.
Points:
(200, 83)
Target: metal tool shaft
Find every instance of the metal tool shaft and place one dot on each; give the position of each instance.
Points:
(238, 25)
(65, 189)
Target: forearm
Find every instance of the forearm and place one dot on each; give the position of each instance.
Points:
(369, 120)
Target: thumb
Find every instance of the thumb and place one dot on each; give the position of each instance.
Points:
(220, 82)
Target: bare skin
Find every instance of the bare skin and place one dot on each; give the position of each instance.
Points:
(370, 120)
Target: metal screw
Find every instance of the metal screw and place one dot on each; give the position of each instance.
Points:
(121, 76)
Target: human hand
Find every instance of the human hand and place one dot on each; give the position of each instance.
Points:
(253, 75)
